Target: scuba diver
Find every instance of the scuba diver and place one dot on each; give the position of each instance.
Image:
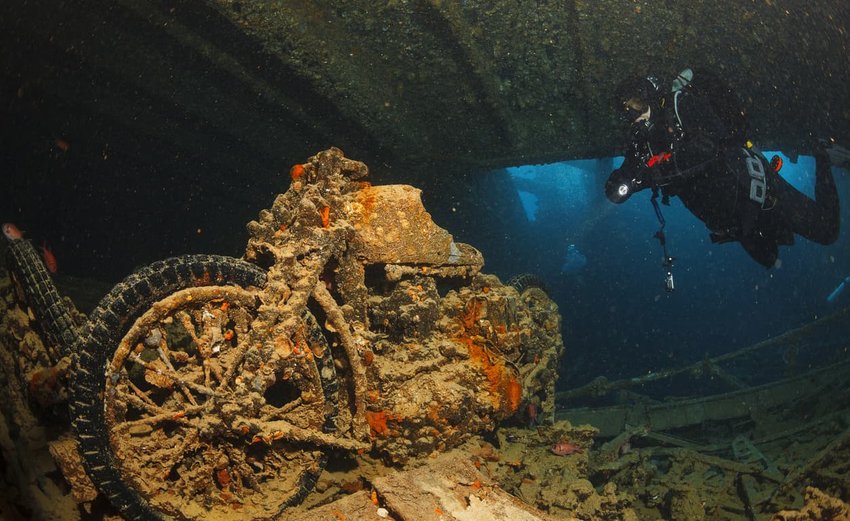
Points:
(689, 141)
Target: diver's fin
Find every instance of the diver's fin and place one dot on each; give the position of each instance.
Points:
(838, 155)
(761, 249)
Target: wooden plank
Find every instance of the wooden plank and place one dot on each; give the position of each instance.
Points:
(451, 489)
(354, 507)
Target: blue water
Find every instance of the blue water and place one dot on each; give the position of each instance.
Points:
(574, 261)
(618, 319)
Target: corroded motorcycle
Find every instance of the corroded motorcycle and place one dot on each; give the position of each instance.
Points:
(212, 387)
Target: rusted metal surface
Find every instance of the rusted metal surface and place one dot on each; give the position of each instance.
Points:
(434, 350)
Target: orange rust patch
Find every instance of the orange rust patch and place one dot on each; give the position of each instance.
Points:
(373, 395)
(223, 477)
(296, 172)
(378, 423)
(514, 394)
(368, 357)
(472, 312)
(367, 198)
(433, 413)
(325, 214)
(504, 388)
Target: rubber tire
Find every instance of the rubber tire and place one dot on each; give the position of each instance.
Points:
(107, 326)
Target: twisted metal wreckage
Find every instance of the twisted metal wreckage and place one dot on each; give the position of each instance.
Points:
(210, 387)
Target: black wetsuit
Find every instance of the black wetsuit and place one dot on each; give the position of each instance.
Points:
(699, 160)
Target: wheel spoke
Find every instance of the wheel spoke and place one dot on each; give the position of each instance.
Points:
(280, 413)
(162, 350)
(199, 413)
(139, 393)
(159, 415)
(173, 375)
(284, 431)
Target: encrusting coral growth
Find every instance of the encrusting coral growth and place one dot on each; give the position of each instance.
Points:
(210, 386)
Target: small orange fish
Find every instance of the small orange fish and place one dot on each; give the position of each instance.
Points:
(565, 448)
(49, 258)
(12, 232)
